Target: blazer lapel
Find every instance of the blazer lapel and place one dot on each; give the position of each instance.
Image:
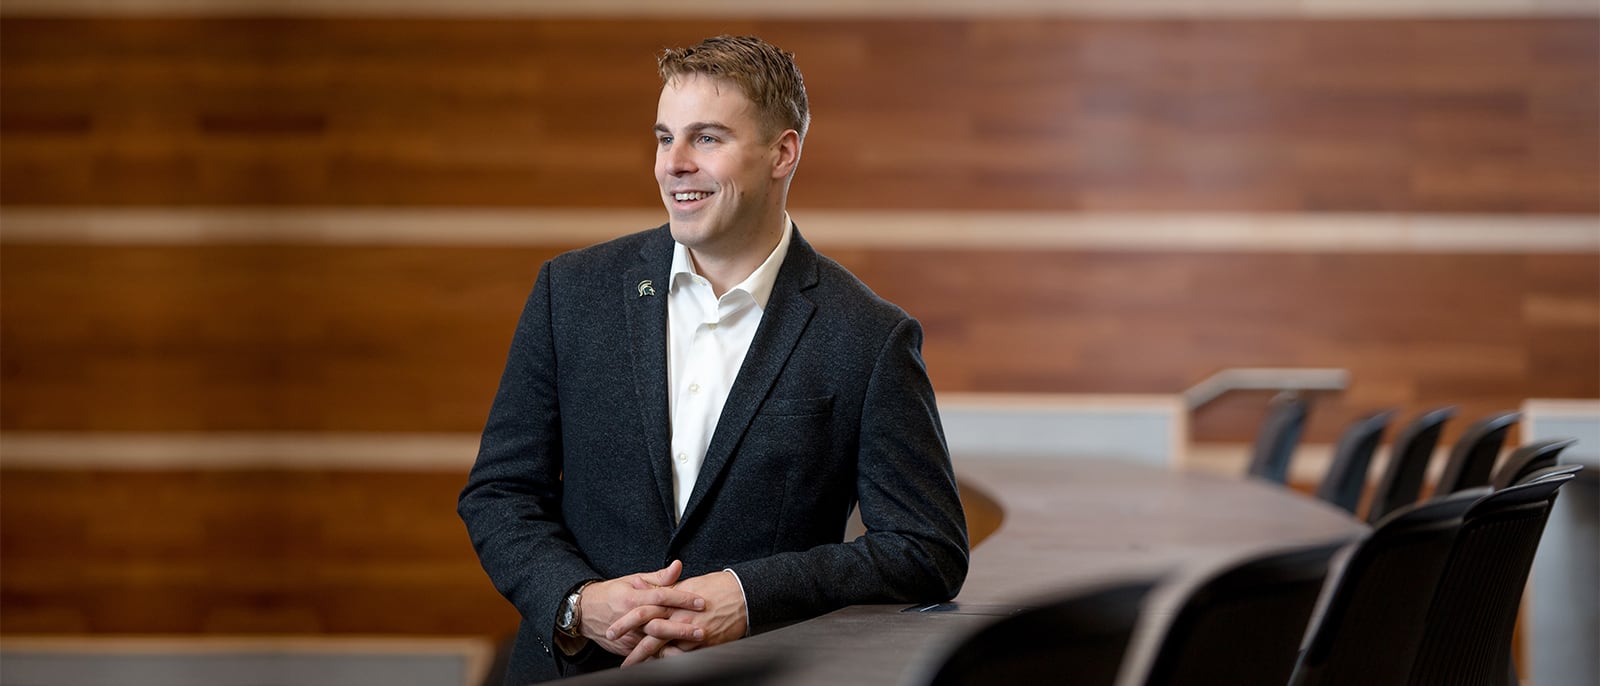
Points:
(785, 319)
(645, 302)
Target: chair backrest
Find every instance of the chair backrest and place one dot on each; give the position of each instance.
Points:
(1279, 434)
(1473, 456)
(1084, 635)
(1241, 626)
(1529, 459)
(1550, 473)
(1370, 623)
(1346, 479)
(1466, 638)
(1408, 463)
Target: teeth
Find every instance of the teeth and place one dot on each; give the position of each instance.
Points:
(697, 195)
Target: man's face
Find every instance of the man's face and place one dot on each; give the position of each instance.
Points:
(715, 167)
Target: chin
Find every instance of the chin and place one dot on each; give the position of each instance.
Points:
(685, 232)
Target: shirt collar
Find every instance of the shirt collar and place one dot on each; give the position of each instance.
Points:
(758, 285)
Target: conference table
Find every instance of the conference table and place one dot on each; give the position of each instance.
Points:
(1067, 523)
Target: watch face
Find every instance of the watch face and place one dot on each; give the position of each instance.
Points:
(569, 611)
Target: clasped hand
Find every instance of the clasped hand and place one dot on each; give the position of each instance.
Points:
(654, 614)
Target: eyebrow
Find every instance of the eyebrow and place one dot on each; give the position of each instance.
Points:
(697, 127)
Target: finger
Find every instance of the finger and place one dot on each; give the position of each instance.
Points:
(635, 619)
(646, 649)
(668, 630)
(666, 576)
(622, 645)
(674, 598)
(651, 604)
(677, 648)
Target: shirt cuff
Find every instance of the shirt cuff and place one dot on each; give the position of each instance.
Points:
(743, 597)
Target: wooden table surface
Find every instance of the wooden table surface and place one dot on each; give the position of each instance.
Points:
(1068, 523)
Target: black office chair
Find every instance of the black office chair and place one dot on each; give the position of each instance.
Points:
(1466, 638)
(1473, 456)
(1279, 434)
(1243, 625)
(1346, 479)
(1408, 463)
(1550, 472)
(1370, 624)
(1529, 459)
(1083, 635)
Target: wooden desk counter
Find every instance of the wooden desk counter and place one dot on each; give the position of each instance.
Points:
(1067, 523)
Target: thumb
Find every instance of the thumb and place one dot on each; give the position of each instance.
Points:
(666, 576)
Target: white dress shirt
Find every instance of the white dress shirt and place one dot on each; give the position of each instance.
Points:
(707, 338)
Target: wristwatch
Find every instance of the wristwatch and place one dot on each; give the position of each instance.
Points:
(570, 618)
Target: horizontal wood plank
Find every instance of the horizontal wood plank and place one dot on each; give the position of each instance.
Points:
(1487, 115)
(413, 338)
(240, 552)
(890, 9)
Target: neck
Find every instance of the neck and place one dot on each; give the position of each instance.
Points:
(726, 268)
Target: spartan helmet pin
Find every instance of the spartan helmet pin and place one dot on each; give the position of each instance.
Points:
(646, 287)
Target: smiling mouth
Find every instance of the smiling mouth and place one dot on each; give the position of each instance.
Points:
(691, 196)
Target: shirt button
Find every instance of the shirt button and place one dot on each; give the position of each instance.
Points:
(712, 326)
(694, 388)
(682, 458)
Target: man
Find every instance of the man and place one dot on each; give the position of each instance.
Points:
(689, 414)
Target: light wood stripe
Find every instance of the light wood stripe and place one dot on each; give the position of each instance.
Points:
(389, 451)
(1241, 232)
(1562, 407)
(156, 451)
(476, 653)
(475, 649)
(1309, 9)
(237, 450)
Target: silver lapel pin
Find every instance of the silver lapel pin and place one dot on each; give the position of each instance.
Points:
(646, 287)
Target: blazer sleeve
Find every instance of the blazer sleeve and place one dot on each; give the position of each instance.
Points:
(915, 548)
(512, 500)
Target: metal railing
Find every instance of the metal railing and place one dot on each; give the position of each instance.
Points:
(1283, 379)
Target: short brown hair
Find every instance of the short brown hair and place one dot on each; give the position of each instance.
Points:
(768, 76)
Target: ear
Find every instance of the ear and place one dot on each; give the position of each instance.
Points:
(788, 155)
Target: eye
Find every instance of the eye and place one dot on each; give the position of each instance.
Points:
(704, 138)
(664, 139)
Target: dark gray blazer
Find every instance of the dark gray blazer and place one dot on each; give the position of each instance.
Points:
(832, 405)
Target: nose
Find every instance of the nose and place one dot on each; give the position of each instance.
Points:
(679, 159)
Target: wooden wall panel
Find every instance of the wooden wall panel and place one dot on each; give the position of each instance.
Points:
(240, 552)
(1043, 114)
(395, 338)
(1465, 116)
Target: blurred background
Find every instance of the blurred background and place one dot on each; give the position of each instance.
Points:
(260, 262)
